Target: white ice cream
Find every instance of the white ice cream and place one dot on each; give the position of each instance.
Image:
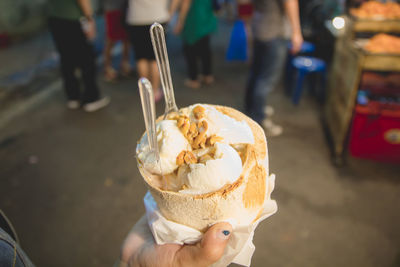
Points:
(214, 174)
(170, 143)
(198, 178)
(233, 131)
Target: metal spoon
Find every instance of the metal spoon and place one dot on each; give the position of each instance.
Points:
(160, 50)
(149, 114)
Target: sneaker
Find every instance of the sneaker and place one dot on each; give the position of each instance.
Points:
(208, 79)
(126, 69)
(73, 104)
(271, 129)
(194, 84)
(96, 105)
(110, 74)
(269, 111)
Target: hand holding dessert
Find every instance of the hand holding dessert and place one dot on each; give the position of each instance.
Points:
(139, 248)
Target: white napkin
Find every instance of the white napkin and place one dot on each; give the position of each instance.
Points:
(240, 247)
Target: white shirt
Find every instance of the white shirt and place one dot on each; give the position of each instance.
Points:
(146, 12)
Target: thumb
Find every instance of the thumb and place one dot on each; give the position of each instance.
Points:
(209, 250)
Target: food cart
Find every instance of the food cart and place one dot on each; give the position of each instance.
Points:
(350, 61)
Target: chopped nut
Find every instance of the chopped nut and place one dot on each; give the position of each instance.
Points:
(173, 116)
(193, 132)
(185, 157)
(179, 158)
(180, 122)
(185, 128)
(203, 143)
(215, 139)
(198, 112)
(199, 139)
(190, 158)
(184, 187)
(208, 141)
(205, 126)
(199, 109)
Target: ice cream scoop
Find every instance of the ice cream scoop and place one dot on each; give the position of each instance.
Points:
(213, 174)
(170, 142)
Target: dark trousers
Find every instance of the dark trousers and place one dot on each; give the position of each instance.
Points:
(201, 51)
(266, 69)
(76, 52)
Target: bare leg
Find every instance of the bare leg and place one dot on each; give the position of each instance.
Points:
(109, 72)
(249, 34)
(155, 79)
(143, 68)
(125, 64)
(107, 53)
(155, 75)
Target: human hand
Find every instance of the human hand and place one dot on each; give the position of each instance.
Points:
(297, 41)
(140, 249)
(178, 27)
(89, 28)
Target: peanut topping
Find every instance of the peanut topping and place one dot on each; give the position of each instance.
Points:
(198, 112)
(179, 158)
(186, 157)
(195, 133)
(202, 125)
(213, 139)
(181, 121)
(185, 127)
(201, 138)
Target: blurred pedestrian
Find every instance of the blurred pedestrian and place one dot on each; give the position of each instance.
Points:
(271, 31)
(228, 6)
(73, 29)
(245, 13)
(141, 15)
(115, 32)
(196, 22)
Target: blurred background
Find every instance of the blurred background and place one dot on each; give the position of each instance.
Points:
(69, 181)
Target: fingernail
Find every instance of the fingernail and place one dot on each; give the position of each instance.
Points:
(224, 234)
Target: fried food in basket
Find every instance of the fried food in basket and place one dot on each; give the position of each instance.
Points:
(383, 43)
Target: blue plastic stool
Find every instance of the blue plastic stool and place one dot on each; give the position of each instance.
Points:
(304, 66)
(307, 48)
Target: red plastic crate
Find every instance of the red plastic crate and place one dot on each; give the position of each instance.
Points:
(375, 132)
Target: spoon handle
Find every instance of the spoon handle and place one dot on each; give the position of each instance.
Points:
(149, 113)
(160, 51)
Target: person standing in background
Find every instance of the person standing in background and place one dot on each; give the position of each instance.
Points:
(141, 15)
(271, 31)
(196, 22)
(115, 32)
(73, 29)
(245, 13)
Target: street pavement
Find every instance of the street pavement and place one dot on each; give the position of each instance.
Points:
(70, 184)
